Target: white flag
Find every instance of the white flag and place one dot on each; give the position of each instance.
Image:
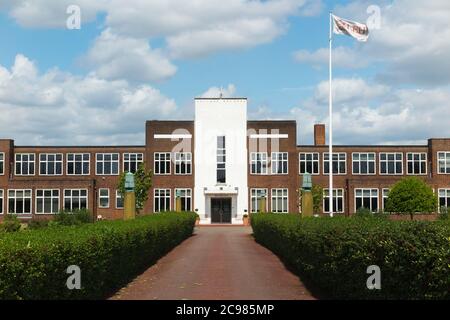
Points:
(353, 29)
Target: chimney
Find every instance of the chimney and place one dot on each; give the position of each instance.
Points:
(319, 134)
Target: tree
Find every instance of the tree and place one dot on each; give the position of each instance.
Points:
(142, 184)
(411, 195)
(317, 195)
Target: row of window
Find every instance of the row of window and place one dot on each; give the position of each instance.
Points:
(51, 164)
(390, 163)
(47, 201)
(259, 163)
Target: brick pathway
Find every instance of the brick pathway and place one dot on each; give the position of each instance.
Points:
(217, 263)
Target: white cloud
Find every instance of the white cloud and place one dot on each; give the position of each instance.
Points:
(215, 92)
(60, 108)
(342, 57)
(116, 57)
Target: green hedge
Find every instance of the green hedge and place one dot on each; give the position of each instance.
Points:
(33, 263)
(332, 254)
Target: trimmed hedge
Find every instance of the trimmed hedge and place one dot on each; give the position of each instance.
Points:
(33, 263)
(332, 254)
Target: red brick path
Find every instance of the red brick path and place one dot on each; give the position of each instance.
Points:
(217, 263)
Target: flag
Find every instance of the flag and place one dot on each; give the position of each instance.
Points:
(353, 29)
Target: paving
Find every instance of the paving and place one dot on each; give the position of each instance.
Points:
(217, 263)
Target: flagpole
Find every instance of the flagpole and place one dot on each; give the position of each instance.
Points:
(330, 125)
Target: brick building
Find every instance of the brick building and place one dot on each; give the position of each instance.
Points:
(219, 165)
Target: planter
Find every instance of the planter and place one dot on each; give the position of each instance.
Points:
(246, 221)
(197, 222)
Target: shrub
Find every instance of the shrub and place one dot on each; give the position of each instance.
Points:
(411, 195)
(332, 254)
(10, 223)
(363, 212)
(37, 224)
(109, 254)
(75, 217)
(444, 214)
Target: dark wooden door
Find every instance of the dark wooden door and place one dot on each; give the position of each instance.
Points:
(221, 210)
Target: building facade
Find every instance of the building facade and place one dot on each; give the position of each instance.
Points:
(219, 165)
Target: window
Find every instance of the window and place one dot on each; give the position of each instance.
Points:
(131, 161)
(279, 163)
(366, 198)
(75, 199)
(258, 162)
(280, 200)
(25, 164)
(444, 162)
(339, 163)
(183, 163)
(47, 201)
(256, 196)
(444, 198)
(162, 200)
(2, 163)
(363, 163)
(385, 196)
(338, 200)
(391, 163)
(107, 164)
(103, 198)
(50, 164)
(221, 160)
(417, 163)
(19, 201)
(78, 163)
(162, 162)
(308, 163)
(119, 200)
(186, 198)
(1, 201)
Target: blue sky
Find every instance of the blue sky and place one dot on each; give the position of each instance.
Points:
(95, 72)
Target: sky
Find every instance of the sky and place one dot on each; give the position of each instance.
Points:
(136, 60)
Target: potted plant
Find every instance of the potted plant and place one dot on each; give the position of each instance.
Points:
(245, 219)
(197, 221)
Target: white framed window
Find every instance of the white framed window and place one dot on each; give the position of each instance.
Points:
(339, 163)
(75, 199)
(256, 195)
(338, 200)
(258, 163)
(186, 198)
(2, 163)
(103, 198)
(308, 162)
(107, 164)
(161, 200)
(50, 164)
(279, 163)
(25, 164)
(366, 198)
(19, 201)
(183, 163)
(221, 153)
(78, 164)
(280, 200)
(162, 163)
(119, 200)
(416, 162)
(363, 163)
(391, 163)
(132, 161)
(2, 201)
(443, 162)
(444, 198)
(47, 201)
(384, 195)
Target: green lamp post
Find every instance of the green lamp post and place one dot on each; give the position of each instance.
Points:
(130, 197)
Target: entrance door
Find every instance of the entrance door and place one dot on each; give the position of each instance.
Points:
(221, 210)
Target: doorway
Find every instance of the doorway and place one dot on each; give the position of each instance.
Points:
(221, 210)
